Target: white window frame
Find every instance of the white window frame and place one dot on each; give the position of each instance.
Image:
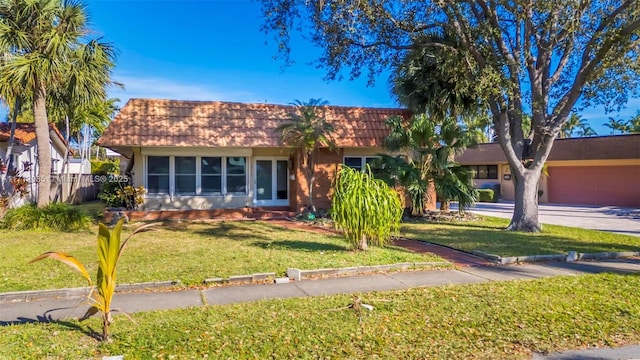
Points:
(363, 160)
(172, 176)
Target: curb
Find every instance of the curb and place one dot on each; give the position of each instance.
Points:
(25, 296)
(294, 274)
(569, 257)
(299, 275)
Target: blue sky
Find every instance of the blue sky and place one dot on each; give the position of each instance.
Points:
(214, 50)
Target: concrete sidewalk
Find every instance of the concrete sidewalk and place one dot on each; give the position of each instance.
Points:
(61, 308)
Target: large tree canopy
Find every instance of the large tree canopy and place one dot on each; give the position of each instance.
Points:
(523, 58)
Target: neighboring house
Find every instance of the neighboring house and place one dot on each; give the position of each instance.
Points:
(603, 170)
(78, 166)
(25, 150)
(201, 155)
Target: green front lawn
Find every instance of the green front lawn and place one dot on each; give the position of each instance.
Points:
(190, 253)
(487, 235)
(496, 320)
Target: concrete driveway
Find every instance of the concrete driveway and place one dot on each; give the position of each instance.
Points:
(607, 218)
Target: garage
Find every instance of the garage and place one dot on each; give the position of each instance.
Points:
(595, 185)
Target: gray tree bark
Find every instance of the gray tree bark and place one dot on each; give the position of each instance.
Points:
(43, 141)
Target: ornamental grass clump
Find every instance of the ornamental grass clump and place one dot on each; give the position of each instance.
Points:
(366, 209)
(109, 251)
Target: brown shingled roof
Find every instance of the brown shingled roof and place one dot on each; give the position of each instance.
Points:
(25, 132)
(587, 148)
(149, 122)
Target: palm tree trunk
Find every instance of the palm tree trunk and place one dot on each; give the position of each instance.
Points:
(311, 174)
(44, 147)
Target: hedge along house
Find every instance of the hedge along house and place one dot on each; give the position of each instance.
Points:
(603, 170)
(202, 155)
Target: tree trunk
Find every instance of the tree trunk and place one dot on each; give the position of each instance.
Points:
(445, 205)
(311, 175)
(363, 245)
(525, 212)
(43, 177)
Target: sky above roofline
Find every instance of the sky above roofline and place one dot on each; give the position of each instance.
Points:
(214, 50)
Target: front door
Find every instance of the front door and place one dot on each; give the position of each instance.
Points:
(271, 182)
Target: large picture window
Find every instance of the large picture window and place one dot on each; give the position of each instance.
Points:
(196, 175)
(158, 174)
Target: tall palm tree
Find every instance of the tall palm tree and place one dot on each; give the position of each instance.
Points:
(307, 132)
(43, 51)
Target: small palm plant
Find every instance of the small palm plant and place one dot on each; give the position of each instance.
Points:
(308, 131)
(365, 208)
(109, 251)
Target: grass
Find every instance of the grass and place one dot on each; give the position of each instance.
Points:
(496, 320)
(186, 252)
(487, 235)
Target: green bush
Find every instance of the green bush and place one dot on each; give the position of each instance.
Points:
(486, 195)
(99, 167)
(122, 195)
(55, 216)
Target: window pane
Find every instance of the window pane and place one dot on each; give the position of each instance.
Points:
(158, 174)
(353, 162)
(211, 184)
(158, 165)
(264, 180)
(236, 175)
(158, 184)
(236, 184)
(185, 184)
(211, 165)
(236, 165)
(482, 171)
(282, 180)
(492, 172)
(185, 165)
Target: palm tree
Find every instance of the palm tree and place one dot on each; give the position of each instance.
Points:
(577, 126)
(307, 132)
(427, 149)
(43, 53)
(634, 124)
(616, 124)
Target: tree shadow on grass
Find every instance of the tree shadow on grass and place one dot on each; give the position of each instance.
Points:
(237, 231)
(503, 243)
(48, 319)
(300, 245)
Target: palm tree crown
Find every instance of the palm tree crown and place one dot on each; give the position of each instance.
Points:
(47, 57)
(308, 131)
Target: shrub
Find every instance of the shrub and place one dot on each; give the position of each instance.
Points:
(106, 167)
(366, 209)
(122, 195)
(55, 216)
(486, 195)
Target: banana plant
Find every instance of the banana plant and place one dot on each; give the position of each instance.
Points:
(110, 249)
